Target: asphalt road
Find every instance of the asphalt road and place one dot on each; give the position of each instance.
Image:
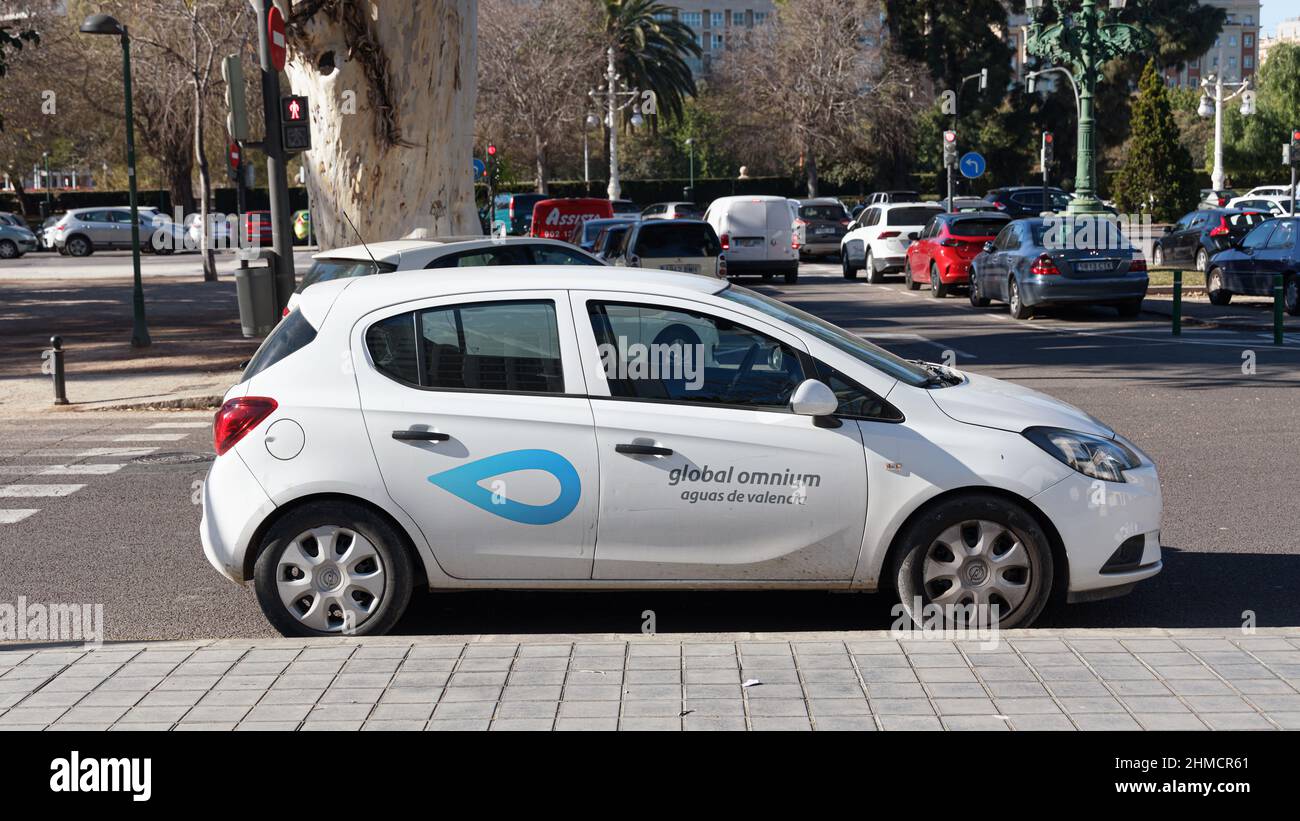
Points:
(1225, 441)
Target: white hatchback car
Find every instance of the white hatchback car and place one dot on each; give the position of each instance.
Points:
(878, 239)
(559, 428)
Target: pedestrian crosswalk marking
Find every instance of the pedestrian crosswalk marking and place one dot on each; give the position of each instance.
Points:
(81, 454)
(196, 425)
(60, 470)
(9, 516)
(150, 437)
(37, 491)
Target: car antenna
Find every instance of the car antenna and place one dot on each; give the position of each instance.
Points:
(363, 242)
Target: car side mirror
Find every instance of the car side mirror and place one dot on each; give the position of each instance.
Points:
(814, 398)
(988, 247)
(1168, 229)
(914, 235)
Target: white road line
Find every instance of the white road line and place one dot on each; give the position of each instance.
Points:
(80, 454)
(37, 491)
(8, 515)
(102, 469)
(150, 437)
(181, 425)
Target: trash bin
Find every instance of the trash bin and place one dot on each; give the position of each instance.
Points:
(255, 290)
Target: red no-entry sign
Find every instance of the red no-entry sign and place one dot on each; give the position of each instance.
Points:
(234, 155)
(275, 35)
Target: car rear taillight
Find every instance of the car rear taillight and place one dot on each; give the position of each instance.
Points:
(285, 312)
(1137, 264)
(888, 234)
(1001, 206)
(845, 223)
(725, 240)
(1222, 229)
(237, 417)
(1044, 265)
(794, 241)
(799, 223)
(60, 227)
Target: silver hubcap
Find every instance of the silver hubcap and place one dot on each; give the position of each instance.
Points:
(331, 579)
(1201, 259)
(1216, 282)
(1015, 296)
(978, 562)
(1160, 257)
(8, 250)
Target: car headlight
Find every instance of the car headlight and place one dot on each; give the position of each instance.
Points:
(1094, 456)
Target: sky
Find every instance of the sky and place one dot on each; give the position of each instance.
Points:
(1272, 12)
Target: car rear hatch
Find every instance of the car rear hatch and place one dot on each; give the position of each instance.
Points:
(966, 237)
(821, 224)
(1231, 227)
(686, 247)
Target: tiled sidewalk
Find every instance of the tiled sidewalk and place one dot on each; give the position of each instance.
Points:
(1031, 680)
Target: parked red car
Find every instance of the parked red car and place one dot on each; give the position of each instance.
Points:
(942, 253)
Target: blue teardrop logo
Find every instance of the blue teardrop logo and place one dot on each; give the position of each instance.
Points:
(463, 481)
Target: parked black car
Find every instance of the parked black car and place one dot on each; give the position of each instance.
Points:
(1251, 265)
(591, 231)
(1035, 262)
(610, 240)
(1201, 234)
(1027, 200)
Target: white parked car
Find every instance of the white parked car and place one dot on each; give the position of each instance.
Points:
(757, 236)
(448, 252)
(877, 241)
(1278, 206)
(1270, 191)
(503, 429)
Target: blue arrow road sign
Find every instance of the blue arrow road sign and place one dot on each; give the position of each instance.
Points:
(972, 165)
(479, 168)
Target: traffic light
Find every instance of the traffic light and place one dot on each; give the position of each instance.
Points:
(1291, 152)
(295, 125)
(950, 149)
(232, 71)
(1048, 154)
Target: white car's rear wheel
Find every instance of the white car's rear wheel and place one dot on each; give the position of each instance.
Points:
(333, 569)
(970, 555)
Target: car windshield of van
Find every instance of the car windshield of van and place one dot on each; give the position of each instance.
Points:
(676, 239)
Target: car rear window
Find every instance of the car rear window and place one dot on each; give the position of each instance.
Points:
(675, 239)
(292, 334)
(823, 212)
(909, 216)
(1248, 219)
(975, 227)
(324, 270)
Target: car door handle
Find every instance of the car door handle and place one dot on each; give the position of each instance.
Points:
(420, 436)
(643, 450)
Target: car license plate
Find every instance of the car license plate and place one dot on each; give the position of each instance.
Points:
(685, 269)
(1094, 265)
(749, 242)
(825, 231)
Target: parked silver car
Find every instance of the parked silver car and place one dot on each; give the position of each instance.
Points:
(15, 239)
(82, 231)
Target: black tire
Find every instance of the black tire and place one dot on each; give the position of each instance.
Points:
(389, 545)
(937, 289)
(921, 538)
(1214, 288)
(976, 300)
(767, 277)
(792, 277)
(873, 276)
(846, 267)
(1130, 309)
(79, 246)
(9, 249)
(1019, 309)
(912, 284)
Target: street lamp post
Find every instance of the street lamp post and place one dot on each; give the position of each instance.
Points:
(591, 122)
(104, 24)
(690, 152)
(1214, 93)
(1084, 42)
(615, 100)
(45, 155)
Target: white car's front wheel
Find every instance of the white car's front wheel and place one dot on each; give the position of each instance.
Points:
(969, 555)
(329, 569)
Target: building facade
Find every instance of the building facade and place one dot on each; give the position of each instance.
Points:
(718, 25)
(1288, 31)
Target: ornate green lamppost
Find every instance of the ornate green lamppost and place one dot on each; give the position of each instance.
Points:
(1082, 42)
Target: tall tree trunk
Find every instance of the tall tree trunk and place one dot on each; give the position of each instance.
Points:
(810, 169)
(178, 172)
(392, 92)
(205, 187)
(543, 173)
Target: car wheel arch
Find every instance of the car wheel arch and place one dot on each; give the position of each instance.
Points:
(254, 550)
(1060, 569)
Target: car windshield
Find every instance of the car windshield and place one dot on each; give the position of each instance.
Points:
(823, 212)
(323, 270)
(909, 216)
(976, 227)
(840, 339)
(676, 239)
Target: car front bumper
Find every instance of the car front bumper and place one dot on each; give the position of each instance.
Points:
(1094, 518)
(234, 506)
(1057, 288)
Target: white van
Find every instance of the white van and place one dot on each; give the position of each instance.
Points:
(755, 232)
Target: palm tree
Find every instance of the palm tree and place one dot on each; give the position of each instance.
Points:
(650, 50)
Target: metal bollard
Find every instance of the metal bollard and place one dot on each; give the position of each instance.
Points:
(1178, 303)
(1277, 309)
(56, 368)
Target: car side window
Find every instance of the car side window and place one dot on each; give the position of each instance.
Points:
(856, 402)
(490, 346)
(1000, 242)
(1283, 236)
(1258, 236)
(555, 255)
(500, 255)
(654, 352)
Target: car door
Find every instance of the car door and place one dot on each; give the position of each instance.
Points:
(101, 228)
(478, 418)
(704, 471)
(993, 272)
(1241, 271)
(1275, 257)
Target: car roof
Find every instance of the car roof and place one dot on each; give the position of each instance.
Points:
(748, 198)
(358, 296)
(393, 250)
(889, 206)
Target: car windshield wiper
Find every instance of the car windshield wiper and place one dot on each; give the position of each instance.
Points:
(937, 376)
